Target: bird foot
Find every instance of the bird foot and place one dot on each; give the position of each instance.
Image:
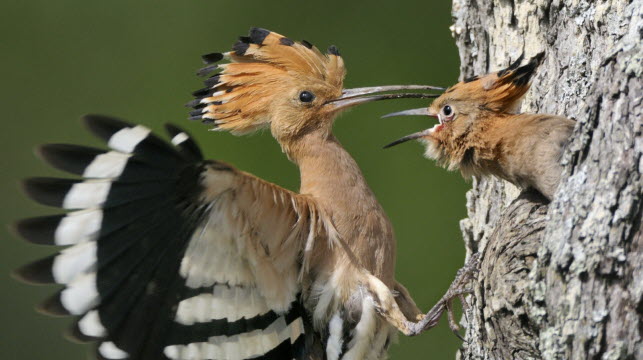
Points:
(459, 288)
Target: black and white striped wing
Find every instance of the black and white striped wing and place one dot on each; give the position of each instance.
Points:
(170, 256)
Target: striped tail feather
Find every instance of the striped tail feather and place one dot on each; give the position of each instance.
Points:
(136, 211)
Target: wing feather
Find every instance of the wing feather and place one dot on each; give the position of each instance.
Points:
(171, 255)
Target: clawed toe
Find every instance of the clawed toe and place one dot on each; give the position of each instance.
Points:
(459, 288)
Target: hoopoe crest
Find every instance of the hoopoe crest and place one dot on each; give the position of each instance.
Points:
(270, 81)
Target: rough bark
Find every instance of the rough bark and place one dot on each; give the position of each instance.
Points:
(562, 280)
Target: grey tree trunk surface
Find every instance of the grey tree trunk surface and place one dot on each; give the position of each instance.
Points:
(562, 280)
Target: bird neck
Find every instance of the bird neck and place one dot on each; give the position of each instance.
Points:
(332, 178)
(326, 168)
(488, 143)
(492, 133)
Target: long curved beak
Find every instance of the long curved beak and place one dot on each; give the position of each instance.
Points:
(420, 112)
(353, 97)
(406, 138)
(412, 112)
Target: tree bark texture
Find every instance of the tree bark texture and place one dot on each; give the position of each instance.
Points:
(562, 280)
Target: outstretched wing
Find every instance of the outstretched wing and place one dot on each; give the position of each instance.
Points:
(170, 256)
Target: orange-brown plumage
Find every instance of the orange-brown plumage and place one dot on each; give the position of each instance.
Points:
(481, 133)
(248, 93)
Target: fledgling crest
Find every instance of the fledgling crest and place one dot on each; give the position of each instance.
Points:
(462, 105)
(499, 91)
(268, 78)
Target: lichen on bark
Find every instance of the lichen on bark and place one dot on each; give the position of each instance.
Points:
(562, 280)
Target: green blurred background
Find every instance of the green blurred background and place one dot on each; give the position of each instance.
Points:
(136, 60)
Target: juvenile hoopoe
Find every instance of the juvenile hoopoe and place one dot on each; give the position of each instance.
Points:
(481, 133)
(175, 257)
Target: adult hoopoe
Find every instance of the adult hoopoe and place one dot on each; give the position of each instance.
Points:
(481, 133)
(176, 257)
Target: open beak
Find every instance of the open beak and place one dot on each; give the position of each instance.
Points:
(422, 112)
(352, 97)
(406, 138)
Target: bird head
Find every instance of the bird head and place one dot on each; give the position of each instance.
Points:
(466, 105)
(272, 81)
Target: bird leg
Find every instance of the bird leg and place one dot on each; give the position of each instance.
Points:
(457, 289)
(400, 311)
(404, 300)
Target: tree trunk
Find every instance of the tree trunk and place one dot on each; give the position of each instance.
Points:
(561, 280)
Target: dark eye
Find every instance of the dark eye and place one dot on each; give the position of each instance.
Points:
(306, 96)
(447, 111)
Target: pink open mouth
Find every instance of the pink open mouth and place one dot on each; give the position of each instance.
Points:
(436, 128)
(422, 135)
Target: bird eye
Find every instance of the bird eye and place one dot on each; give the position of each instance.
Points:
(447, 113)
(306, 96)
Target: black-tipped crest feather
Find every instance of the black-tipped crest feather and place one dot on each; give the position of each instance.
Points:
(241, 46)
(207, 70)
(212, 58)
(202, 92)
(512, 66)
(307, 44)
(257, 35)
(210, 82)
(523, 74)
(287, 42)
